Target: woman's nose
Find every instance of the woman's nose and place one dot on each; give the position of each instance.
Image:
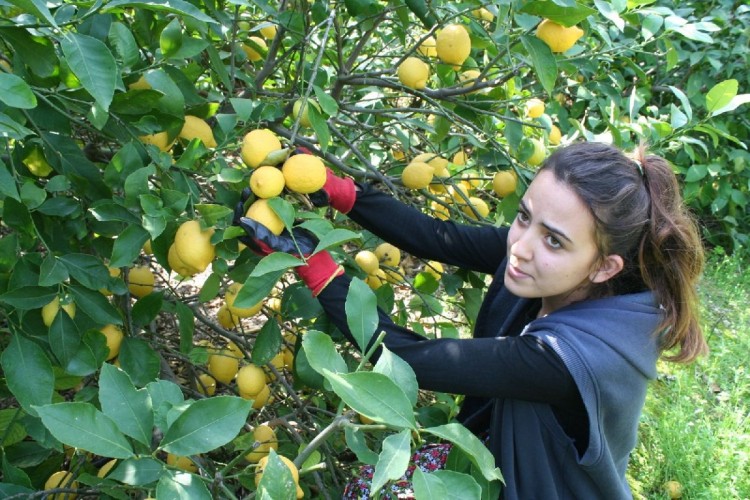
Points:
(521, 248)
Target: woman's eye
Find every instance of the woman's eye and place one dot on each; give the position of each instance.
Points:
(522, 216)
(553, 242)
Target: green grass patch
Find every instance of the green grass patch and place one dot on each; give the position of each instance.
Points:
(696, 425)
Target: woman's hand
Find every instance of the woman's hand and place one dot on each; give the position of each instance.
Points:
(338, 192)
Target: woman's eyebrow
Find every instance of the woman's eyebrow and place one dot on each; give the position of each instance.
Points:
(551, 229)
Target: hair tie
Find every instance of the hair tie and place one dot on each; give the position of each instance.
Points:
(639, 164)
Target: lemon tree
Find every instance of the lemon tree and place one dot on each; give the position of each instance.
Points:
(137, 327)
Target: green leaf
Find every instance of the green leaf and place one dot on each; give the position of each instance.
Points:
(212, 214)
(28, 297)
(273, 263)
(38, 8)
(139, 361)
(15, 92)
(375, 396)
(321, 353)
(335, 238)
(175, 485)
(736, 102)
(28, 373)
(429, 485)
(93, 64)
(95, 305)
(476, 451)
(52, 271)
(81, 425)
(320, 126)
(543, 60)
(186, 320)
(256, 288)
(173, 6)
(267, 343)
(147, 308)
(64, 337)
(122, 40)
(686, 108)
(721, 95)
(446, 484)
(277, 481)
(355, 441)
(128, 246)
(10, 426)
(399, 371)
(327, 103)
(206, 425)
(696, 172)
(7, 182)
(14, 475)
(567, 16)
(137, 471)
(361, 312)
(88, 270)
(128, 407)
(284, 210)
(393, 459)
(170, 39)
(164, 395)
(91, 353)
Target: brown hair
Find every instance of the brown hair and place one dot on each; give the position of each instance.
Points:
(640, 216)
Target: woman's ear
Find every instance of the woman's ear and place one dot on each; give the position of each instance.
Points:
(608, 267)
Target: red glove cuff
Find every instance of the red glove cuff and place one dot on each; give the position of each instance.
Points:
(341, 192)
(319, 271)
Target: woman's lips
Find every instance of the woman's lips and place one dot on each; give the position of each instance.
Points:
(515, 273)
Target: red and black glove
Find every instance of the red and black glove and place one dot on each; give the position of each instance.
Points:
(319, 268)
(338, 192)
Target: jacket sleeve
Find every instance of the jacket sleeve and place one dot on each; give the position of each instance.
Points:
(478, 248)
(521, 367)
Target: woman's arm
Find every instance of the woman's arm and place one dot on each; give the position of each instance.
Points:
(479, 248)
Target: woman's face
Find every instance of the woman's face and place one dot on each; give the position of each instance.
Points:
(552, 252)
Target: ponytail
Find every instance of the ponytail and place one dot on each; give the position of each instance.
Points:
(671, 260)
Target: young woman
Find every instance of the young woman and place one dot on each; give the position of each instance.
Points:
(593, 281)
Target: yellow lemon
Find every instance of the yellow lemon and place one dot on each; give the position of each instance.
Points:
(304, 173)
(268, 32)
(428, 47)
(288, 355)
(223, 365)
(388, 254)
(367, 260)
(197, 128)
(256, 145)
(540, 153)
(146, 249)
(558, 37)
(476, 206)
(141, 281)
(460, 158)
(256, 49)
(267, 182)
(376, 279)
(555, 136)
(184, 463)
(241, 312)
(301, 113)
(469, 77)
(395, 276)
(440, 211)
(206, 384)
(262, 465)
(49, 311)
(177, 265)
(106, 468)
(140, 84)
(483, 14)
(534, 108)
(36, 162)
(504, 183)
(265, 441)
(262, 212)
(113, 336)
(453, 44)
(193, 245)
(435, 269)
(159, 139)
(251, 379)
(113, 272)
(61, 479)
(260, 399)
(414, 73)
(226, 319)
(417, 175)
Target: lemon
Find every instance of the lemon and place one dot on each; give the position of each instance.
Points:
(469, 77)
(301, 113)
(146, 249)
(477, 205)
(5, 65)
(267, 182)
(159, 139)
(540, 152)
(141, 281)
(256, 145)
(114, 272)
(223, 365)
(458, 193)
(226, 319)
(376, 279)
(241, 312)
(262, 212)
(367, 260)
(61, 479)
(197, 128)
(140, 84)
(534, 108)
(460, 158)
(438, 163)
(113, 336)
(260, 399)
(558, 37)
(440, 211)
(304, 173)
(504, 183)
(184, 463)
(177, 265)
(435, 269)
(256, 49)
(265, 441)
(206, 384)
(104, 470)
(388, 254)
(673, 489)
(262, 465)
(395, 276)
(414, 73)
(268, 32)
(193, 246)
(49, 311)
(288, 355)
(428, 47)
(453, 44)
(251, 379)
(417, 175)
(555, 136)
(37, 163)
(235, 349)
(483, 14)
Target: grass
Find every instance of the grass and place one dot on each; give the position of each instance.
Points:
(696, 425)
